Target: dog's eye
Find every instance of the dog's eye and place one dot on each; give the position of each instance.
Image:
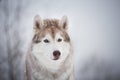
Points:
(46, 41)
(59, 40)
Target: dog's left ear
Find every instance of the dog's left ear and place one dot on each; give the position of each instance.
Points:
(64, 22)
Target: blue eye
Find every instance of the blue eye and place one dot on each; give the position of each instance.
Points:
(46, 41)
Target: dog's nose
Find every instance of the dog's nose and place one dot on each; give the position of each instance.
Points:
(56, 54)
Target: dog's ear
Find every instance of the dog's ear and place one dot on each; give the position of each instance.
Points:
(37, 23)
(64, 22)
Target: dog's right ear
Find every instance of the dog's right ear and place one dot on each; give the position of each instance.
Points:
(37, 24)
(64, 22)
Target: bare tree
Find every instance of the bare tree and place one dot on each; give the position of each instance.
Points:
(10, 43)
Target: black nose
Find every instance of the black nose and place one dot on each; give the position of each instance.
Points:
(56, 54)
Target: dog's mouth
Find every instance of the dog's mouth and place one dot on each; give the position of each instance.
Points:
(56, 58)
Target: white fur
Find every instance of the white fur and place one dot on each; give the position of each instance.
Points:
(44, 52)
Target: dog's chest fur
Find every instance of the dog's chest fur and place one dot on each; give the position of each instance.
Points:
(35, 71)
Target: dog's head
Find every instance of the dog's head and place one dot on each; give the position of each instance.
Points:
(51, 41)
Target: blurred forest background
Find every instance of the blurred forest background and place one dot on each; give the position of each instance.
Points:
(94, 27)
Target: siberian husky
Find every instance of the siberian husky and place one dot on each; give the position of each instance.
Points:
(50, 54)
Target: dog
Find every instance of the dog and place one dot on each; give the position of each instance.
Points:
(50, 56)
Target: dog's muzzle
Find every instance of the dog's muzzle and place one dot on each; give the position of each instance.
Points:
(56, 55)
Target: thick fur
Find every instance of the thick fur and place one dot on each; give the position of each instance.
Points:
(40, 63)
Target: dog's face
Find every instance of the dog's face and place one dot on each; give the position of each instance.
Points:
(51, 43)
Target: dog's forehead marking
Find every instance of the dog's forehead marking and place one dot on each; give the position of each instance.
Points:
(50, 30)
(53, 31)
(51, 26)
(51, 22)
